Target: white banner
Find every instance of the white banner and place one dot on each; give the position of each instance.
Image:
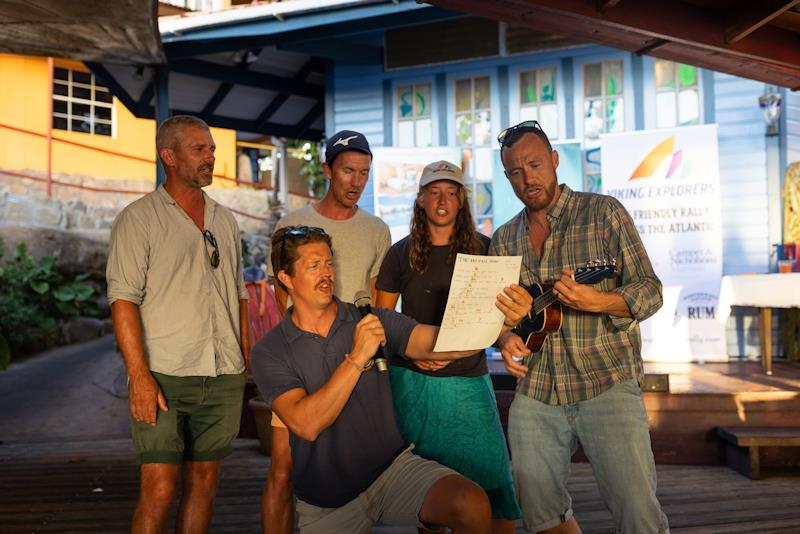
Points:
(669, 182)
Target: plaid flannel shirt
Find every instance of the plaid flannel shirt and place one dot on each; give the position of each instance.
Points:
(592, 352)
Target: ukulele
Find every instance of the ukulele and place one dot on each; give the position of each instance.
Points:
(545, 314)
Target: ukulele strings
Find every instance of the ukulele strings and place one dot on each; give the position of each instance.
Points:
(547, 298)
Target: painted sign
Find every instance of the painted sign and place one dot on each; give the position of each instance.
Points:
(669, 182)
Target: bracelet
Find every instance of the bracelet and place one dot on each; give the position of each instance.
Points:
(351, 361)
(512, 326)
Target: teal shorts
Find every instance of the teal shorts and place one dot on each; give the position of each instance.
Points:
(202, 421)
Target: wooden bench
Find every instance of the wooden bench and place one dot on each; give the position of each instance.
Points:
(742, 445)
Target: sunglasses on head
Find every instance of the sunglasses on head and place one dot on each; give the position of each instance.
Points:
(214, 259)
(508, 136)
(297, 232)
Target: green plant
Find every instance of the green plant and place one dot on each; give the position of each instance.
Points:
(34, 297)
(312, 170)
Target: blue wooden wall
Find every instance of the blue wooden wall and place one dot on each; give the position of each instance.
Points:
(743, 174)
(362, 99)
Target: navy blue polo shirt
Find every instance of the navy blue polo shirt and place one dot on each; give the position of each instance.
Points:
(349, 455)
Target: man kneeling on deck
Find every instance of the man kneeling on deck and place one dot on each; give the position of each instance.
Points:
(352, 467)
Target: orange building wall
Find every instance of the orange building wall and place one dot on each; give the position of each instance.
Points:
(24, 105)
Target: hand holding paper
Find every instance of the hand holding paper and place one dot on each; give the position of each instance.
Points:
(473, 317)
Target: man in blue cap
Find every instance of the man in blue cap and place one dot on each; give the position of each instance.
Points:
(361, 241)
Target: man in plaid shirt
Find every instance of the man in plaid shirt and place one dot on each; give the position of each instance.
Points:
(583, 386)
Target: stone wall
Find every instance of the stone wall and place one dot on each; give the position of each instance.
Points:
(81, 217)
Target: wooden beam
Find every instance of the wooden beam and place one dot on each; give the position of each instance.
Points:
(300, 76)
(649, 47)
(673, 21)
(226, 87)
(260, 80)
(754, 70)
(337, 49)
(605, 5)
(739, 23)
(308, 119)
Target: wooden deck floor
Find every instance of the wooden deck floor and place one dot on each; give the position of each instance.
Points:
(91, 486)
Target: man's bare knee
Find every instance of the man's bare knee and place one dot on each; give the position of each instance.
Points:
(458, 503)
(158, 484)
(201, 476)
(470, 505)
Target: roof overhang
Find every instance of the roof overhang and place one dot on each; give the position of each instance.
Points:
(123, 31)
(261, 68)
(753, 39)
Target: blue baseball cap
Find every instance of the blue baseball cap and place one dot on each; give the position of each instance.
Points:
(344, 141)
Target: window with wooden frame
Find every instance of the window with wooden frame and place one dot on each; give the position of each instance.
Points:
(677, 94)
(414, 122)
(80, 104)
(537, 99)
(473, 129)
(603, 102)
(473, 111)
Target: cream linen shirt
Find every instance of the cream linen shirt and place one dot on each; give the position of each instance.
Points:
(159, 260)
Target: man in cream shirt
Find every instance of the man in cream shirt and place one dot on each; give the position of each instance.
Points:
(179, 308)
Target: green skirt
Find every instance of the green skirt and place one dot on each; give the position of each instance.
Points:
(454, 421)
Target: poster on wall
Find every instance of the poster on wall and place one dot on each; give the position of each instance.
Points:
(507, 205)
(669, 182)
(396, 173)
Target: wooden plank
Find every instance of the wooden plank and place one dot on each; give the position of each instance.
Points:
(40, 495)
(761, 436)
(750, 16)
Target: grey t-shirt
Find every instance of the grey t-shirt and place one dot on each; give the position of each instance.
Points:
(359, 245)
(349, 455)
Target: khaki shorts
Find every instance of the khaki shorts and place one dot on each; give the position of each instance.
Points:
(395, 498)
(202, 421)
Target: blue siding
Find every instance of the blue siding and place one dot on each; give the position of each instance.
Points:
(360, 100)
(745, 205)
(743, 174)
(358, 105)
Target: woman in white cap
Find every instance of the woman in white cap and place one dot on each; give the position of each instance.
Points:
(447, 409)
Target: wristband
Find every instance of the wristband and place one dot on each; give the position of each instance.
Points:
(351, 361)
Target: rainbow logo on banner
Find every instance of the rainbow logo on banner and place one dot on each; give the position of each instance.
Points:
(656, 159)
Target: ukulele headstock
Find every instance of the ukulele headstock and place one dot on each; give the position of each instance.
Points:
(595, 270)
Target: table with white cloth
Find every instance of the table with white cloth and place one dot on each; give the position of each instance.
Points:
(762, 291)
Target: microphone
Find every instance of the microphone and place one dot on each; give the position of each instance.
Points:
(364, 304)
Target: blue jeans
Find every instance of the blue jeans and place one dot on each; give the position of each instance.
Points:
(613, 430)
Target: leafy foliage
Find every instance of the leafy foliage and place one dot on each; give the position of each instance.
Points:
(312, 170)
(34, 297)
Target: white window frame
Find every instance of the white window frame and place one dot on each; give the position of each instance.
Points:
(92, 102)
(414, 119)
(676, 93)
(494, 112)
(515, 97)
(627, 92)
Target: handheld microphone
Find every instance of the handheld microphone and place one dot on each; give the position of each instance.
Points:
(364, 304)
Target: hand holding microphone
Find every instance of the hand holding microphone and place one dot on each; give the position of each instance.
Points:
(363, 302)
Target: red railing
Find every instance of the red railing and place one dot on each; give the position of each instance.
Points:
(49, 180)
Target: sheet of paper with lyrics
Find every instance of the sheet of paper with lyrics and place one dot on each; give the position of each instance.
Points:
(471, 320)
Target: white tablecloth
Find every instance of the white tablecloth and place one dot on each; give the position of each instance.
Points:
(777, 290)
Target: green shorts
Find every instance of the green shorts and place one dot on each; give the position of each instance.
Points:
(202, 421)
